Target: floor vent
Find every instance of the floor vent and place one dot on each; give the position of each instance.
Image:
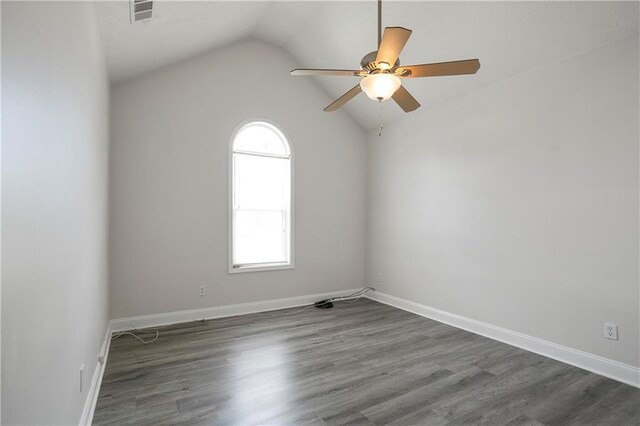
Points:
(141, 10)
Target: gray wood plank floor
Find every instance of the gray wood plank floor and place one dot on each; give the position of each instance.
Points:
(360, 363)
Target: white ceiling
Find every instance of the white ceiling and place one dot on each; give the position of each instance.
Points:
(508, 37)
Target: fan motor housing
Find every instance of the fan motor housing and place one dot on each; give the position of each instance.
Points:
(368, 62)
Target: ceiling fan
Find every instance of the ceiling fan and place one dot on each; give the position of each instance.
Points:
(381, 71)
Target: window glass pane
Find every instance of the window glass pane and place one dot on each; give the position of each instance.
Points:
(259, 237)
(261, 203)
(261, 182)
(261, 196)
(260, 138)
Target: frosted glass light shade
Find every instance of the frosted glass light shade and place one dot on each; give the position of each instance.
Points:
(380, 87)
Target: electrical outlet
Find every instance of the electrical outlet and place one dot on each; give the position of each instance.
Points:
(81, 376)
(379, 277)
(202, 291)
(610, 331)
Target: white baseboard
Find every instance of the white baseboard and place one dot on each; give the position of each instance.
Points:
(156, 320)
(606, 367)
(96, 381)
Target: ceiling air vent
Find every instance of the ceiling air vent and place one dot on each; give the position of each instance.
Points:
(141, 10)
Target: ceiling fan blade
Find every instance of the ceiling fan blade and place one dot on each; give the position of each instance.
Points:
(468, 66)
(344, 98)
(393, 41)
(350, 73)
(407, 102)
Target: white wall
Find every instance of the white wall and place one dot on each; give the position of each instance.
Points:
(517, 205)
(169, 163)
(54, 212)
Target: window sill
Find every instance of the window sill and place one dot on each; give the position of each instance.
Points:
(261, 268)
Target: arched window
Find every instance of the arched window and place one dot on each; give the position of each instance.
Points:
(261, 207)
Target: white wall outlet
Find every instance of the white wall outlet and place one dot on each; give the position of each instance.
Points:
(610, 331)
(379, 277)
(202, 291)
(81, 376)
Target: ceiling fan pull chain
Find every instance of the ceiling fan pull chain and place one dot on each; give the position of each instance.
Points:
(380, 119)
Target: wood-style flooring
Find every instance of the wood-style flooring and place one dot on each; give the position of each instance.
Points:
(361, 363)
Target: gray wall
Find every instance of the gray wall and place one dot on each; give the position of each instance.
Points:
(54, 208)
(517, 204)
(171, 130)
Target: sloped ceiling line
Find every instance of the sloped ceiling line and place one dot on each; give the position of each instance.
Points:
(508, 37)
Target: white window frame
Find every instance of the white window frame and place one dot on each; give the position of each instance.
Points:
(232, 269)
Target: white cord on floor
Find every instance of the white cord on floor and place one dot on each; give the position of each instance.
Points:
(357, 295)
(146, 342)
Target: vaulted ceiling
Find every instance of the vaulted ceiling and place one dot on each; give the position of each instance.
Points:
(508, 37)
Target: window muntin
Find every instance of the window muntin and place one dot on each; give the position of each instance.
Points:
(260, 199)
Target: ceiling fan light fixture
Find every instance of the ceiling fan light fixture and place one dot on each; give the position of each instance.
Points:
(381, 69)
(380, 87)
